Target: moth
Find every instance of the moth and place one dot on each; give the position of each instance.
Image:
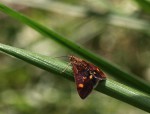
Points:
(86, 75)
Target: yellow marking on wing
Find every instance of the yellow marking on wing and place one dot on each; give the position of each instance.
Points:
(91, 77)
(94, 72)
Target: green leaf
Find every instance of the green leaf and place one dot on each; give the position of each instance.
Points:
(144, 4)
(118, 73)
(108, 87)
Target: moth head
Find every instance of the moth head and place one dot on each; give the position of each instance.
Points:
(74, 59)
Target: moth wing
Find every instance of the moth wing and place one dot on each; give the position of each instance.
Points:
(86, 76)
(84, 86)
(86, 90)
(98, 72)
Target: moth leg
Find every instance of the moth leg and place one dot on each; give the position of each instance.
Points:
(66, 67)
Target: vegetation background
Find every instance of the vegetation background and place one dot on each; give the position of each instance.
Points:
(118, 30)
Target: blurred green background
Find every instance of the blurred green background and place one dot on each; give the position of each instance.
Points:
(118, 30)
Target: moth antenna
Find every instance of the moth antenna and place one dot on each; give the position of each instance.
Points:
(60, 57)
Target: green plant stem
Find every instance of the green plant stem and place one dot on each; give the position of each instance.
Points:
(108, 87)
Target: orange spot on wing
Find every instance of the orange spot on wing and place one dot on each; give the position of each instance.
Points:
(84, 78)
(97, 69)
(80, 85)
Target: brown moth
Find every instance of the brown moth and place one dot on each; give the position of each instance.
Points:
(86, 75)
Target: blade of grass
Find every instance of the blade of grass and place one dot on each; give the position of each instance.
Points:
(127, 78)
(144, 4)
(84, 12)
(108, 87)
